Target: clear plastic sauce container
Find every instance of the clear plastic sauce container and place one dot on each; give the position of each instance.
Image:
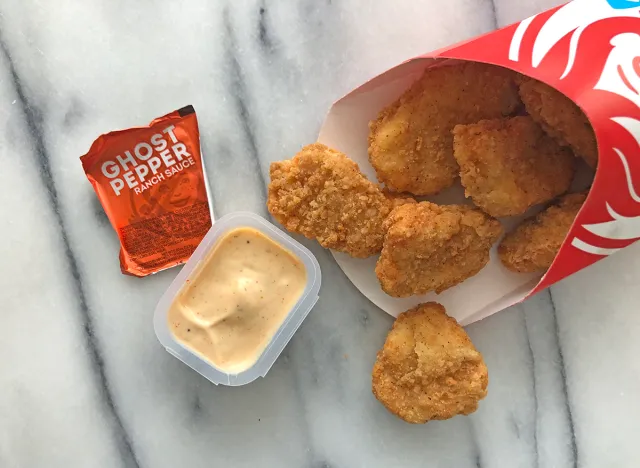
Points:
(238, 301)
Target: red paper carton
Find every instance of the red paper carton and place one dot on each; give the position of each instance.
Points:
(590, 51)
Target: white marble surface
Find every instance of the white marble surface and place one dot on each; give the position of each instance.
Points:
(83, 380)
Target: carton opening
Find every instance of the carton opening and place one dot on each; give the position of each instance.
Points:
(347, 129)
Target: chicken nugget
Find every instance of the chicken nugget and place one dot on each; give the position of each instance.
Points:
(429, 247)
(534, 244)
(428, 369)
(509, 165)
(410, 143)
(560, 117)
(322, 194)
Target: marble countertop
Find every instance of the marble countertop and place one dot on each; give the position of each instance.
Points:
(83, 380)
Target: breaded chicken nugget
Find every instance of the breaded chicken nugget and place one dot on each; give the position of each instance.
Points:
(509, 165)
(560, 117)
(410, 143)
(428, 368)
(432, 248)
(534, 244)
(322, 194)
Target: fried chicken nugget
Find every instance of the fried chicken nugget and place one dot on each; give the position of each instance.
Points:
(560, 117)
(429, 247)
(428, 369)
(322, 194)
(534, 244)
(410, 143)
(509, 165)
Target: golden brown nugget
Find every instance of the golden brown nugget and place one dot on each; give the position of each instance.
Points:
(322, 194)
(534, 244)
(560, 117)
(509, 165)
(410, 143)
(429, 247)
(428, 369)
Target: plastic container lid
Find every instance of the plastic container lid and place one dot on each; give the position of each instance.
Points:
(282, 336)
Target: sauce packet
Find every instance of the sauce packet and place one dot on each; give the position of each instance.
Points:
(150, 181)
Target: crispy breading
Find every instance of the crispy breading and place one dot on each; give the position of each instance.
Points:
(428, 368)
(322, 194)
(509, 165)
(534, 244)
(410, 143)
(429, 247)
(560, 117)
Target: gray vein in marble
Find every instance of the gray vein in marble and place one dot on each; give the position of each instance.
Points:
(312, 453)
(535, 390)
(565, 390)
(508, 413)
(476, 446)
(239, 94)
(33, 119)
(264, 34)
(98, 211)
(73, 115)
(494, 13)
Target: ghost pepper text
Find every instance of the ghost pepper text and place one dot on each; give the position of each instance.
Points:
(148, 163)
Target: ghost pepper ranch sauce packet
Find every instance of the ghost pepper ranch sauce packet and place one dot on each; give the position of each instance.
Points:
(151, 184)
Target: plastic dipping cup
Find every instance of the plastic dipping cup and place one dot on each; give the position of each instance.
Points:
(289, 325)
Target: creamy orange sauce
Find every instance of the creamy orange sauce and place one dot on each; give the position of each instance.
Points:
(237, 299)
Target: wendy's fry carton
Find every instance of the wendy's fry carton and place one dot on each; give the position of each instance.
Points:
(590, 51)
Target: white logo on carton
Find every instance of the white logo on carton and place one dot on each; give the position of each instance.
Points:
(618, 77)
(572, 18)
(620, 227)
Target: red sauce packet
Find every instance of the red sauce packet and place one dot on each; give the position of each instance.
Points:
(151, 184)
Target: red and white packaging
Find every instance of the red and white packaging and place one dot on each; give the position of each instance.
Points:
(151, 183)
(590, 51)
